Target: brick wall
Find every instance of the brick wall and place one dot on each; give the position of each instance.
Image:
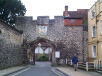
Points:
(68, 22)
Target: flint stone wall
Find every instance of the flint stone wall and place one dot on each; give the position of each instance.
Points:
(10, 46)
(28, 26)
(70, 40)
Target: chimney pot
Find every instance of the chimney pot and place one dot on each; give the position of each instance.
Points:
(66, 8)
(65, 14)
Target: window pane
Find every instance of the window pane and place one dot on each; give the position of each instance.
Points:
(72, 21)
(93, 31)
(94, 51)
(101, 48)
(101, 25)
(93, 13)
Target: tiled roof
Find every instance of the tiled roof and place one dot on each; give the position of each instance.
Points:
(84, 13)
(80, 13)
(75, 14)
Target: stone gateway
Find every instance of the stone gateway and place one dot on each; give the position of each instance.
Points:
(59, 38)
(68, 34)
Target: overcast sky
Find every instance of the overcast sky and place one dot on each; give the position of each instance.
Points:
(54, 7)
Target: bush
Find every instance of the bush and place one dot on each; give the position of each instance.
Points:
(43, 57)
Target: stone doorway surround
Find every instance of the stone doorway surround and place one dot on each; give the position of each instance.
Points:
(43, 43)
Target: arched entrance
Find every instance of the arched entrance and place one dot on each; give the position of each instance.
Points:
(41, 46)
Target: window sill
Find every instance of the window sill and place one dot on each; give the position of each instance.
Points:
(100, 2)
(92, 18)
(93, 37)
(94, 57)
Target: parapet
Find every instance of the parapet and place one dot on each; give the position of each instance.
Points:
(42, 20)
(24, 19)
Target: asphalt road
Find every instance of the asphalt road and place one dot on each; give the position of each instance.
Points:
(40, 69)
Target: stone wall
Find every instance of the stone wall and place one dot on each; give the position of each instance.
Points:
(85, 45)
(28, 26)
(10, 46)
(69, 40)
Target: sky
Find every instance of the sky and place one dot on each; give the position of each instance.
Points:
(53, 8)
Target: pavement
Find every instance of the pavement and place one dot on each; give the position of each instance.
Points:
(5, 72)
(71, 72)
(68, 71)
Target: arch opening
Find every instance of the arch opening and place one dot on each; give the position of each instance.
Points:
(39, 47)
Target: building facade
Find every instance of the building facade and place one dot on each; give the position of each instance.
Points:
(95, 32)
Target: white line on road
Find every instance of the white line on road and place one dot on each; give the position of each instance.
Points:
(21, 71)
(56, 72)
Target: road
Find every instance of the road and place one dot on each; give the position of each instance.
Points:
(40, 69)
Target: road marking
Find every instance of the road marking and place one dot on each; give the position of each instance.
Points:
(21, 72)
(56, 72)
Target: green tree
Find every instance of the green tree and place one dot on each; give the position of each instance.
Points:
(10, 9)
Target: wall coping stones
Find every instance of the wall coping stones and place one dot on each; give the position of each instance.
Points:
(10, 26)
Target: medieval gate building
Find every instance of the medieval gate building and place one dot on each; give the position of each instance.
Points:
(66, 35)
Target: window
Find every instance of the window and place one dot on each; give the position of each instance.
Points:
(72, 21)
(93, 31)
(42, 30)
(94, 51)
(101, 48)
(0, 31)
(93, 13)
(101, 26)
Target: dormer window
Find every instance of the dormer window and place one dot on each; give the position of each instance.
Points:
(67, 15)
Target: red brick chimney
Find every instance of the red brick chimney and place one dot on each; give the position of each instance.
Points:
(65, 14)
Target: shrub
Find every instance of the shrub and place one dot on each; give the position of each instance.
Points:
(43, 57)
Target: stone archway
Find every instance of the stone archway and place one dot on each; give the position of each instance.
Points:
(45, 43)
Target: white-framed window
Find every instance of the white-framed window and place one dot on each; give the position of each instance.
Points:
(94, 51)
(93, 31)
(93, 13)
(72, 21)
(101, 48)
(100, 0)
(101, 26)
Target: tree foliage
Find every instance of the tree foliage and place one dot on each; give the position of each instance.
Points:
(10, 9)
